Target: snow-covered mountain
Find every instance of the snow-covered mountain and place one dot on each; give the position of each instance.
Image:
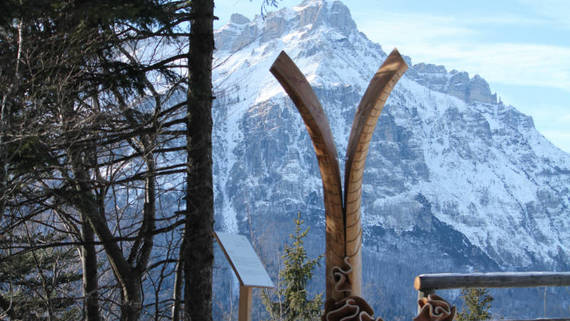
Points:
(455, 181)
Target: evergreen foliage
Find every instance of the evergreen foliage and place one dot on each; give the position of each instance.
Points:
(40, 282)
(72, 74)
(477, 302)
(291, 302)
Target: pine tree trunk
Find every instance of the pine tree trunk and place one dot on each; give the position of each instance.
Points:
(89, 264)
(198, 256)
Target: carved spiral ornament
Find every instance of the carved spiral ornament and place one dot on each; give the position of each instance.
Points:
(350, 308)
(434, 308)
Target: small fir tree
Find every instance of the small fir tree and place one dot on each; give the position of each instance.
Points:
(476, 305)
(289, 302)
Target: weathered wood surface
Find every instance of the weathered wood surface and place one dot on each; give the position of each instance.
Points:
(300, 91)
(434, 308)
(363, 127)
(343, 223)
(491, 280)
(245, 300)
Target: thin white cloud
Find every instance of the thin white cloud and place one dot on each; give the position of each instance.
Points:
(411, 27)
(557, 11)
(508, 19)
(458, 44)
(515, 64)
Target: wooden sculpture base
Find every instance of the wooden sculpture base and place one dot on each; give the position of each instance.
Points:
(351, 307)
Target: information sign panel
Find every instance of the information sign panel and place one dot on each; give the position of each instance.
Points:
(244, 261)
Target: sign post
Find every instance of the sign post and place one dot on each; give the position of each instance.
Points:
(247, 267)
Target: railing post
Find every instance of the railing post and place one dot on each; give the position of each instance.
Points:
(423, 293)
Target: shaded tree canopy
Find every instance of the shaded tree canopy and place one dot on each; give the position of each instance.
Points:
(92, 96)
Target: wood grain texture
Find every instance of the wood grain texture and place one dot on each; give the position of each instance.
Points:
(491, 280)
(434, 308)
(363, 126)
(245, 300)
(304, 98)
(343, 223)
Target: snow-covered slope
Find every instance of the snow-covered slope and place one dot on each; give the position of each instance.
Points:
(448, 164)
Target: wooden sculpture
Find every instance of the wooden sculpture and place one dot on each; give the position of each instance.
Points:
(342, 210)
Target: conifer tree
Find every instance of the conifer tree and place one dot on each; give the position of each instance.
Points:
(78, 100)
(477, 302)
(40, 284)
(291, 302)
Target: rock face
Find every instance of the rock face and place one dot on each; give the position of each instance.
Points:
(454, 83)
(454, 181)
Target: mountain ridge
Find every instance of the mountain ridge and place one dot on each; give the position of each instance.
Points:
(446, 157)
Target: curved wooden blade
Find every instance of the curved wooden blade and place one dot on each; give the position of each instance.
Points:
(360, 135)
(300, 91)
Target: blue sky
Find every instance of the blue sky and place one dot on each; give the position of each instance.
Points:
(521, 47)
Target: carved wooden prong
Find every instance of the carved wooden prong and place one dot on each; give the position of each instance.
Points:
(343, 223)
(363, 126)
(298, 88)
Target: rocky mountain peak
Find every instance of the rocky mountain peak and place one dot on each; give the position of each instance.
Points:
(309, 16)
(239, 19)
(322, 12)
(454, 83)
